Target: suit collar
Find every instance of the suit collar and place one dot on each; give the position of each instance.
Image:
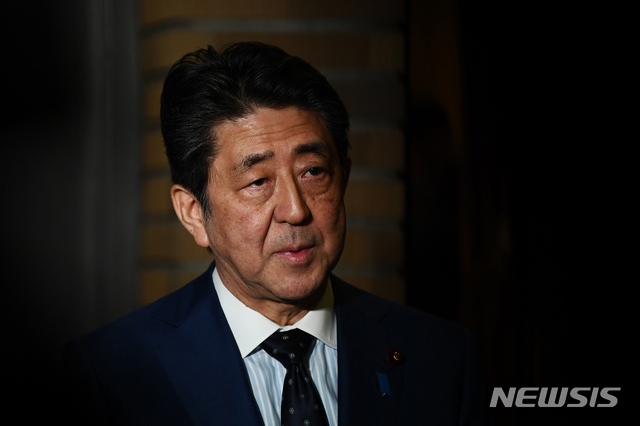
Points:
(364, 341)
(192, 353)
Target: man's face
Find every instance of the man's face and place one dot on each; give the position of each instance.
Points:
(276, 192)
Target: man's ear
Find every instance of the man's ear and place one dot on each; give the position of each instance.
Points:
(190, 213)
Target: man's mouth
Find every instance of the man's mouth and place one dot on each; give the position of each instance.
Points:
(295, 254)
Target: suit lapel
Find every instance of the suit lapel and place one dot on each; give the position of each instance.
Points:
(201, 360)
(363, 344)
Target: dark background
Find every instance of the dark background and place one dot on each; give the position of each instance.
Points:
(529, 240)
(70, 132)
(547, 198)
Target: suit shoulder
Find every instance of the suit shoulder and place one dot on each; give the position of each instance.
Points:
(387, 312)
(145, 323)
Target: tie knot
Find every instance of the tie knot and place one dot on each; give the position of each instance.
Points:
(289, 347)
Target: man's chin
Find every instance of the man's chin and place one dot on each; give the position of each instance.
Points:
(301, 293)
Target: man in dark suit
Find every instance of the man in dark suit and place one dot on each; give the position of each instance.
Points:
(258, 149)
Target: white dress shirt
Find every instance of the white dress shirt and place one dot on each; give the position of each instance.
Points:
(250, 328)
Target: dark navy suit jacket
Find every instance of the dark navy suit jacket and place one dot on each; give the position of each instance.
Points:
(175, 362)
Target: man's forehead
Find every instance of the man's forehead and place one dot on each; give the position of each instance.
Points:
(268, 131)
(267, 123)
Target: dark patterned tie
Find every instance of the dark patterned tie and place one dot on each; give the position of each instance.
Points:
(301, 403)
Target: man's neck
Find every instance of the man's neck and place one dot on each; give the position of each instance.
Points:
(281, 312)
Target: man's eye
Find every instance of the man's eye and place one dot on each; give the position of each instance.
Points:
(258, 182)
(315, 171)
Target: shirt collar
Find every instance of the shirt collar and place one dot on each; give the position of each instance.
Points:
(250, 328)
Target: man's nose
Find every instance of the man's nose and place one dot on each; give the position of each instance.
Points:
(291, 206)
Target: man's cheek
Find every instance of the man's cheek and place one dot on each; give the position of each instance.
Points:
(251, 230)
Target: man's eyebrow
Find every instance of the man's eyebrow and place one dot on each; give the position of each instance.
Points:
(315, 147)
(251, 160)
